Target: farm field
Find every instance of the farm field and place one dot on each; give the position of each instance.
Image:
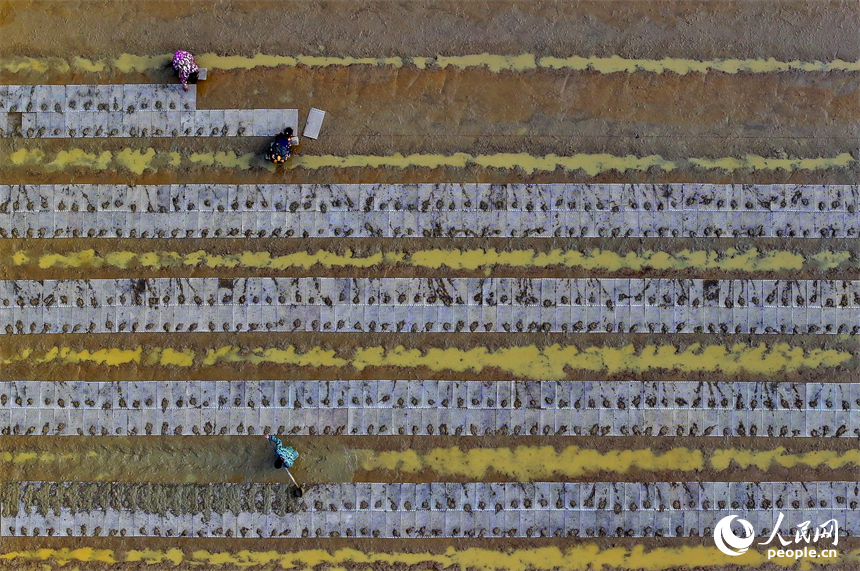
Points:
(559, 285)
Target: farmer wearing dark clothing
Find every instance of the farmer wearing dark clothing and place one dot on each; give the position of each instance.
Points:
(281, 148)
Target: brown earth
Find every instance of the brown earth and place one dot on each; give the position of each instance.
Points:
(783, 29)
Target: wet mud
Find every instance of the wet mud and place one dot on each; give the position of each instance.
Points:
(149, 498)
(492, 458)
(189, 459)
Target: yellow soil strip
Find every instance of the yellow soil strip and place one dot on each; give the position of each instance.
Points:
(382, 459)
(755, 162)
(551, 362)
(533, 463)
(139, 161)
(591, 164)
(134, 160)
(528, 463)
(247, 259)
(128, 63)
(577, 557)
(475, 259)
(764, 459)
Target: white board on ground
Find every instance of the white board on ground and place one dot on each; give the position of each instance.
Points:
(315, 119)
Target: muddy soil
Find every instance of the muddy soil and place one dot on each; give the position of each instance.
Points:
(331, 459)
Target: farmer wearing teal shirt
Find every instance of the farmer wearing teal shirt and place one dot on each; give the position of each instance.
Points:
(286, 458)
(286, 454)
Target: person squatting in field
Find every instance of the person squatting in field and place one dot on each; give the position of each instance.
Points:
(282, 147)
(183, 63)
(286, 454)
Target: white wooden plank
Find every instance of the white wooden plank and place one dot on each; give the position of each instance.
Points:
(314, 123)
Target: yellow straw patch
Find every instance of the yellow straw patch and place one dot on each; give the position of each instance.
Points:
(129, 63)
(138, 161)
(531, 463)
(581, 557)
(552, 362)
(602, 260)
(764, 459)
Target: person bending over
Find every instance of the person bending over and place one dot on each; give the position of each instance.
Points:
(282, 147)
(286, 454)
(183, 63)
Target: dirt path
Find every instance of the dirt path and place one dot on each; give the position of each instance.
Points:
(737, 29)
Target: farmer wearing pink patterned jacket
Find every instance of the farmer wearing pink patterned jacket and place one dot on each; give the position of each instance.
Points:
(183, 63)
